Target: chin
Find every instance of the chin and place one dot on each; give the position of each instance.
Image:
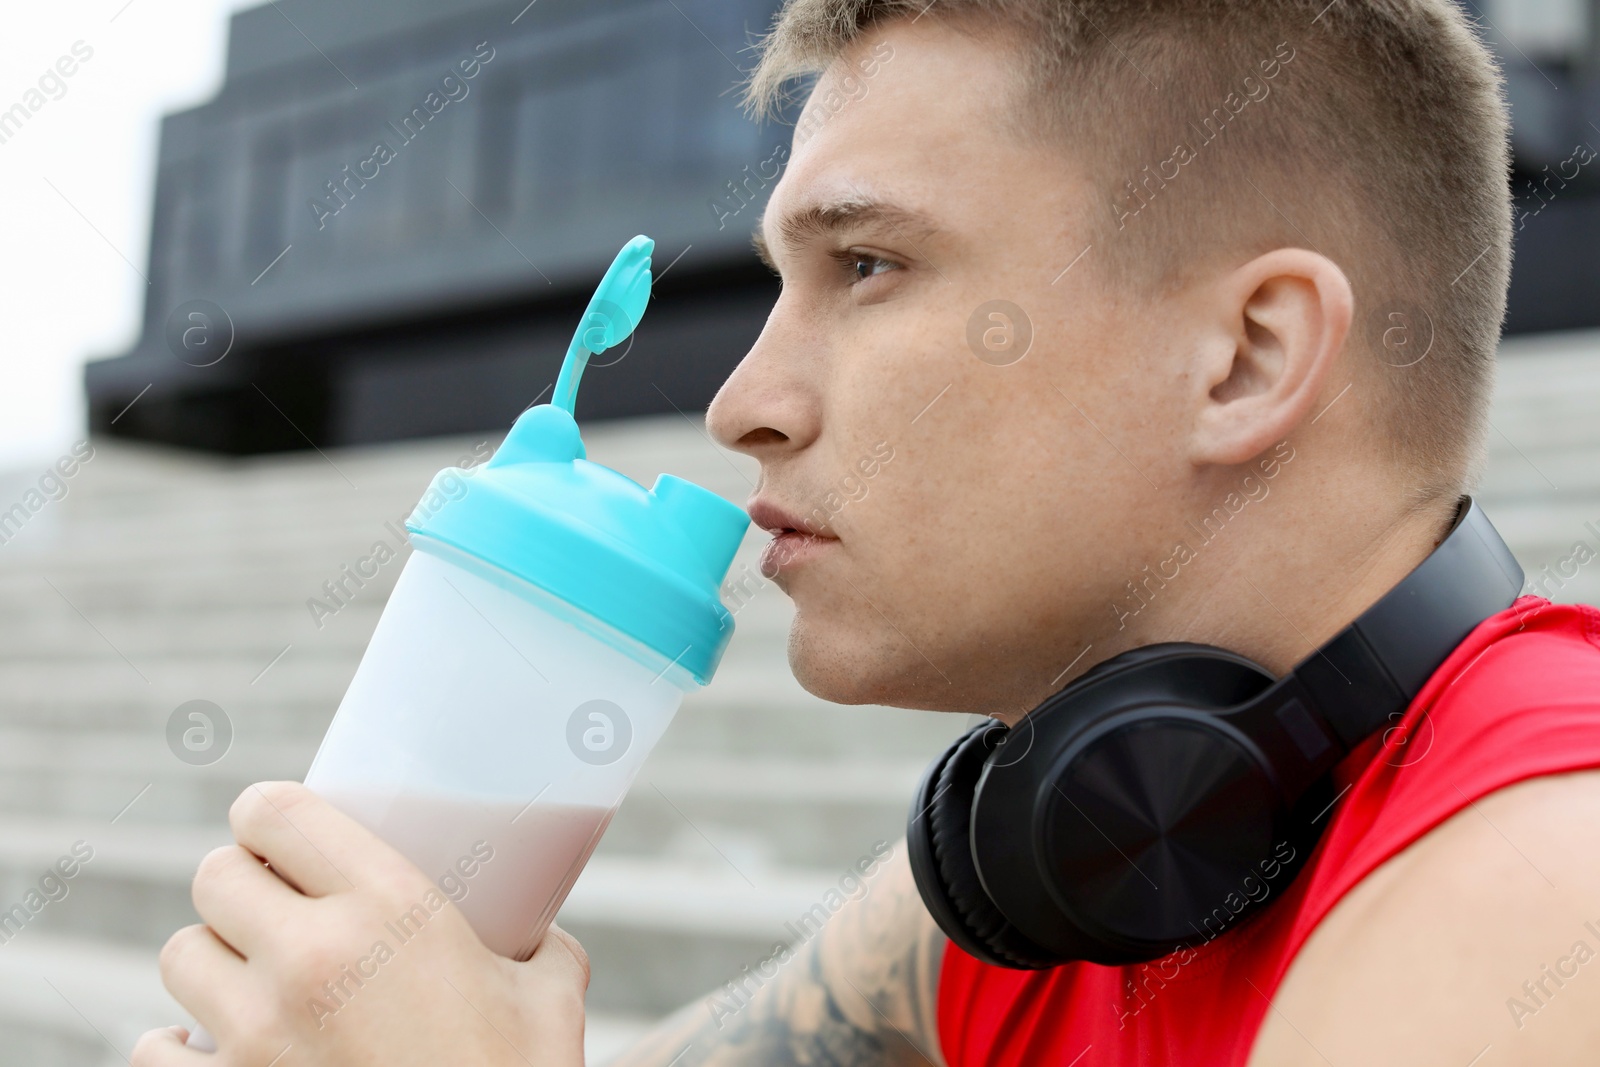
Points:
(864, 668)
(834, 671)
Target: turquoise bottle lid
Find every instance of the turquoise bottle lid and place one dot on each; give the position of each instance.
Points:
(649, 564)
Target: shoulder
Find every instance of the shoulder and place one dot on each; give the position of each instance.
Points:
(882, 955)
(1480, 935)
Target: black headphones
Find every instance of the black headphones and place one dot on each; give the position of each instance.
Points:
(1145, 805)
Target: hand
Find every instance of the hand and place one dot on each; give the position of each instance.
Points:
(304, 955)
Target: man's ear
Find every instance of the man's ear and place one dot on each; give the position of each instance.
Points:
(1276, 327)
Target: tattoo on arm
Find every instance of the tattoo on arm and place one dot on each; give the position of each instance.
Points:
(862, 993)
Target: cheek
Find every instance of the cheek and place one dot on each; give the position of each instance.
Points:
(962, 545)
(922, 543)
(1015, 515)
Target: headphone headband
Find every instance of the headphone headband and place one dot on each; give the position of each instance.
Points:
(1373, 668)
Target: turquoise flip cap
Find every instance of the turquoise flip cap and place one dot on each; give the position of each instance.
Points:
(647, 563)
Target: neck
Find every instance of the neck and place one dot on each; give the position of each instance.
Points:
(1302, 575)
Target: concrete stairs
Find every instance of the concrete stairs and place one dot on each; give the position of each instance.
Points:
(162, 578)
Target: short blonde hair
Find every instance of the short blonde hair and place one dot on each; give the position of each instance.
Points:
(1374, 131)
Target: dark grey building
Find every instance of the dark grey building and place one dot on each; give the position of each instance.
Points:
(390, 218)
(1555, 105)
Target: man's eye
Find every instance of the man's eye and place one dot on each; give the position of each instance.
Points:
(862, 265)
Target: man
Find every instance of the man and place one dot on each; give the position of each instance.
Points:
(1119, 282)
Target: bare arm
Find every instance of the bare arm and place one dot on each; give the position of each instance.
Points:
(862, 992)
(1473, 945)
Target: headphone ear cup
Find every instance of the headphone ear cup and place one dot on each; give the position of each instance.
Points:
(938, 839)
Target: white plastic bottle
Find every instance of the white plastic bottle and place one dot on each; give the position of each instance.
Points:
(537, 644)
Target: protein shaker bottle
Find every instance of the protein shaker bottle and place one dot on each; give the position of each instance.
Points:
(538, 642)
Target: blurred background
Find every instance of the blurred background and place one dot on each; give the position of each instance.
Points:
(270, 335)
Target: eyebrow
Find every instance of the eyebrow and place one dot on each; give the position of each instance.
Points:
(832, 216)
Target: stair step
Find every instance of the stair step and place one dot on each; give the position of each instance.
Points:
(653, 927)
(71, 1002)
(726, 891)
(770, 807)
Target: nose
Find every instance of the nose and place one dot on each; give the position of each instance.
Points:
(770, 404)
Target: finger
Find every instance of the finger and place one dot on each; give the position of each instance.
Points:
(164, 1048)
(203, 974)
(242, 901)
(310, 843)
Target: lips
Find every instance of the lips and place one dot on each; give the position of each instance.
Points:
(777, 520)
(793, 539)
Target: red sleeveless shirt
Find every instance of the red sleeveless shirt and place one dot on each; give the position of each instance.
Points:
(1519, 698)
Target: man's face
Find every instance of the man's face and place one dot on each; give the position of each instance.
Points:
(981, 471)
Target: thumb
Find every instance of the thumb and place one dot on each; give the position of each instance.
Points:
(561, 959)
